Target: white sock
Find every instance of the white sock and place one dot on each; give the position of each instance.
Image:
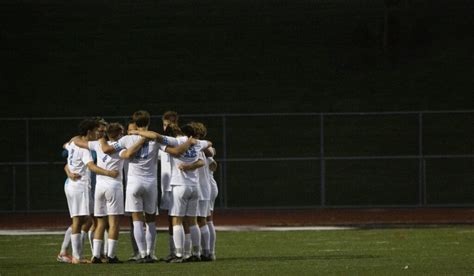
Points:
(96, 248)
(205, 235)
(178, 238)
(212, 237)
(76, 241)
(150, 235)
(187, 245)
(83, 242)
(196, 239)
(112, 245)
(66, 241)
(133, 241)
(171, 245)
(105, 245)
(140, 237)
(90, 234)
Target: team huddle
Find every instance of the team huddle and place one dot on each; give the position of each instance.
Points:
(188, 189)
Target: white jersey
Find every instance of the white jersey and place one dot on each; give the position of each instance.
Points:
(165, 162)
(111, 162)
(77, 161)
(144, 163)
(204, 179)
(179, 177)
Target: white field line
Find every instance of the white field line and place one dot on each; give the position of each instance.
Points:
(31, 232)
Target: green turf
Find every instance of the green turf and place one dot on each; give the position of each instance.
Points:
(425, 251)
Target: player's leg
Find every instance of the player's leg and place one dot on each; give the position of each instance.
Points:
(177, 212)
(150, 199)
(191, 214)
(203, 210)
(63, 257)
(115, 210)
(114, 227)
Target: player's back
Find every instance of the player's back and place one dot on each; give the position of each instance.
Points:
(189, 177)
(111, 162)
(77, 161)
(144, 163)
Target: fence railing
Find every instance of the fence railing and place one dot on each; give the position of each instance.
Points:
(345, 154)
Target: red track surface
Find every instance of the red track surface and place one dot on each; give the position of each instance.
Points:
(271, 217)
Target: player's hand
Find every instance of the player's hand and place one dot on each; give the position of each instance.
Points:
(113, 174)
(192, 141)
(74, 176)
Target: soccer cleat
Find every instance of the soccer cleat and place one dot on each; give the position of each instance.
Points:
(134, 258)
(155, 259)
(146, 260)
(114, 260)
(64, 259)
(176, 260)
(96, 260)
(206, 258)
(213, 257)
(192, 259)
(167, 258)
(79, 261)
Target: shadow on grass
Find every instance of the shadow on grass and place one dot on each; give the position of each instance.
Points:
(297, 258)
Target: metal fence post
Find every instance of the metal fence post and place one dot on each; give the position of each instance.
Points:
(14, 189)
(421, 195)
(27, 148)
(322, 163)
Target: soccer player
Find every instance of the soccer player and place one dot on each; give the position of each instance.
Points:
(78, 191)
(184, 185)
(204, 194)
(170, 128)
(109, 192)
(142, 190)
(210, 219)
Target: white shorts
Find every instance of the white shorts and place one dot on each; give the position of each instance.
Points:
(214, 193)
(166, 200)
(142, 195)
(108, 199)
(184, 201)
(203, 208)
(78, 198)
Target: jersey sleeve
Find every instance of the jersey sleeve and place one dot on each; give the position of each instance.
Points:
(170, 141)
(121, 143)
(93, 145)
(86, 156)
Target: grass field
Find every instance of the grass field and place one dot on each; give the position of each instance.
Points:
(404, 251)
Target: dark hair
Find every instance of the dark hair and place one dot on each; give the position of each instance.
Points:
(141, 118)
(114, 130)
(171, 116)
(173, 130)
(188, 130)
(101, 120)
(199, 128)
(86, 125)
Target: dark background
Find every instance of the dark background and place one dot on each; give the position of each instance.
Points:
(110, 58)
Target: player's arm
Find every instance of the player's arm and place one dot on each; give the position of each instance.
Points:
(148, 134)
(212, 164)
(71, 175)
(130, 152)
(93, 167)
(209, 151)
(179, 150)
(189, 167)
(106, 148)
(80, 143)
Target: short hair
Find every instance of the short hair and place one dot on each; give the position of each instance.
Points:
(171, 116)
(199, 128)
(172, 130)
(188, 130)
(87, 125)
(141, 118)
(100, 120)
(114, 130)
